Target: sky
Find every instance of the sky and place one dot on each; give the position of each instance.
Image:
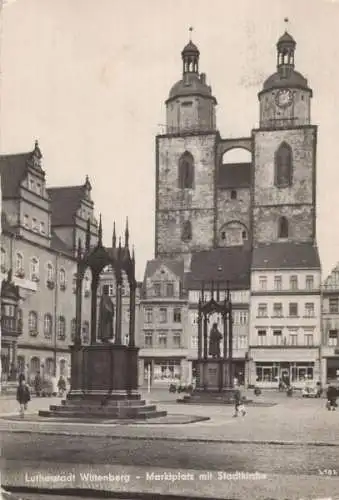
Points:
(89, 78)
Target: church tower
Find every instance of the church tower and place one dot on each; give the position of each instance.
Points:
(284, 156)
(186, 165)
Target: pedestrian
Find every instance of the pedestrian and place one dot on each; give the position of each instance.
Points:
(239, 406)
(21, 377)
(331, 398)
(23, 396)
(38, 384)
(61, 386)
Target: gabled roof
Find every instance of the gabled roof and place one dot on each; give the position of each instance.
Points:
(235, 175)
(286, 255)
(230, 264)
(65, 201)
(59, 245)
(175, 266)
(13, 170)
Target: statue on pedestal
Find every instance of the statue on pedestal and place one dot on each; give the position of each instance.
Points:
(106, 317)
(214, 343)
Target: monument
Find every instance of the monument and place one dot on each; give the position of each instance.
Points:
(104, 374)
(214, 369)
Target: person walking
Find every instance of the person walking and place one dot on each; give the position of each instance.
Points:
(239, 406)
(23, 397)
(21, 377)
(61, 386)
(331, 398)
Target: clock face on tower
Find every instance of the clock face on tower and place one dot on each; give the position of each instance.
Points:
(284, 98)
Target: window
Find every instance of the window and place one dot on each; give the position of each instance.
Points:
(262, 338)
(277, 337)
(62, 278)
(283, 228)
(233, 195)
(74, 283)
(262, 310)
(277, 282)
(243, 317)
(157, 289)
(186, 171)
(3, 260)
(308, 339)
(19, 264)
(167, 370)
(186, 234)
(309, 310)
(26, 220)
(223, 235)
(148, 315)
(267, 372)
(34, 224)
(50, 272)
(194, 341)
(177, 338)
(42, 228)
(31, 184)
(333, 337)
(169, 289)
(85, 332)
(242, 342)
(162, 339)
(33, 323)
(39, 188)
(48, 326)
(148, 335)
(163, 315)
(309, 282)
(294, 283)
(73, 329)
(34, 271)
(177, 315)
(293, 339)
(61, 328)
(262, 282)
(277, 310)
(334, 305)
(283, 165)
(87, 286)
(244, 235)
(293, 309)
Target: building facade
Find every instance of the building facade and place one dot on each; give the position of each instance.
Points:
(285, 324)
(164, 336)
(330, 326)
(40, 230)
(265, 206)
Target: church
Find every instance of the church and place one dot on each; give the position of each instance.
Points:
(249, 224)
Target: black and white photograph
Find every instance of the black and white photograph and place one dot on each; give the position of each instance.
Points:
(169, 241)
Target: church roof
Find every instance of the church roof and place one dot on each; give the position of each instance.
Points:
(230, 264)
(192, 85)
(191, 47)
(13, 170)
(286, 38)
(65, 201)
(294, 80)
(235, 175)
(286, 255)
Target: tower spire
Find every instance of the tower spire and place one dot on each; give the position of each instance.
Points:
(126, 233)
(100, 232)
(285, 52)
(190, 30)
(114, 237)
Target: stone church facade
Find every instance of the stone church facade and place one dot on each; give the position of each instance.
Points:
(264, 207)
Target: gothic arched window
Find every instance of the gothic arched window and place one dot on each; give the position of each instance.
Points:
(283, 228)
(186, 171)
(186, 234)
(283, 165)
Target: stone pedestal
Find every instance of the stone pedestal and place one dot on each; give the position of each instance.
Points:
(104, 384)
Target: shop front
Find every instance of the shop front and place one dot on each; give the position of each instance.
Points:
(293, 366)
(162, 371)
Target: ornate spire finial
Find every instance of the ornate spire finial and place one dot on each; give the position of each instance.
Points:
(88, 235)
(190, 29)
(126, 234)
(100, 232)
(114, 237)
(286, 21)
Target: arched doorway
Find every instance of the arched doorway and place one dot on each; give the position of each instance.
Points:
(49, 367)
(34, 366)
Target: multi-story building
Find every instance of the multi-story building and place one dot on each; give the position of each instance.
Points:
(163, 337)
(330, 326)
(267, 203)
(285, 323)
(40, 231)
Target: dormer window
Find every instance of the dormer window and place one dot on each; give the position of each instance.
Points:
(39, 188)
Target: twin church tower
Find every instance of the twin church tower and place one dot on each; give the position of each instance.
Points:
(203, 203)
